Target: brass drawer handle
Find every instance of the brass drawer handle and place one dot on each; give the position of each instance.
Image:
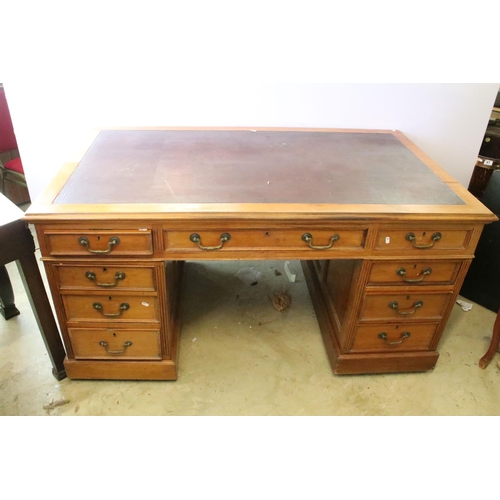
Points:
(402, 272)
(196, 238)
(405, 312)
(125, 345)
(113, 242)
(92, 277)
(307, 237)
(404, 336)
(123, 307)
(435, 237)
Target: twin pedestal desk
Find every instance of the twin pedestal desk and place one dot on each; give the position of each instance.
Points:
(384, 235)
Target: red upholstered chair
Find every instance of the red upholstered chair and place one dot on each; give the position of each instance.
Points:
(11, 167)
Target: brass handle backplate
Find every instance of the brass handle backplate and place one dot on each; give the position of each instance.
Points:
(92, 277)
(113, 242)
(425, 272)
(384, 337)
(125, 345)
(405, 312)
(123, 307)
(307, 237)
(434, 238)
(196, 238)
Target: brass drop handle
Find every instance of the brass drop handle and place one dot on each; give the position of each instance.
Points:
(92, 277)
(405, 312)
(425, 272)
(404, 336)
(125, 345)
(434, 238)
(307, 237)
(113, 242)
(123, 307)
(196, 238)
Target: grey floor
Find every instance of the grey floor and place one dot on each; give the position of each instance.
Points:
(239, 356)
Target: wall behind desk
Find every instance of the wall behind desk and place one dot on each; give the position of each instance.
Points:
(54, 122)
(131, 64)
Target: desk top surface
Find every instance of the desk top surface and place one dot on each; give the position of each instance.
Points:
(240, 169)
(150, 166)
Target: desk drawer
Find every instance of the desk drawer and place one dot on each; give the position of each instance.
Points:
(418, 241)
(394, 337)
(115, 344)
(93, 277)
(404, 306)
(418, 272)
(97, 243)
(222, 240)
(119, 308)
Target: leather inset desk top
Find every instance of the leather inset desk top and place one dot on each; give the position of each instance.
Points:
(217, 166)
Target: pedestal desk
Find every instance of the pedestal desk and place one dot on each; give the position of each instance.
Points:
(385, 237)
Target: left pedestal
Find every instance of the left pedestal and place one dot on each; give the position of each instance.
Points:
(117, 303)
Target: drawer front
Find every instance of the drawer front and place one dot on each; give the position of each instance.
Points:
(115, 344)
(110, 307)
(394, 337)
(404, 307)
(407, 272)
(91, 277)
(99, 243)
(314, 240)
(416, 241)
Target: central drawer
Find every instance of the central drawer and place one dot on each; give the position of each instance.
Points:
(265, 239)
(119, 308)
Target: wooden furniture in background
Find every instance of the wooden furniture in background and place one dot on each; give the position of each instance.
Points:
(384, 234)
(16, 244)
(494, 345)
(8, 308)
(12, 180)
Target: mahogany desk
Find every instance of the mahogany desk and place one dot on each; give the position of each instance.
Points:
(385, 237)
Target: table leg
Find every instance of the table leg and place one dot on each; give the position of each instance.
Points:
(495, 340)
(7, 307)
(35, 290)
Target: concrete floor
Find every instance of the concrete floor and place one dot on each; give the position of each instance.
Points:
(239, 356)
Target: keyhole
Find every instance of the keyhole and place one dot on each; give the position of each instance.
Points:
(407, 297)
(104, 270)
(114, 334)
(424, 233)
(110, 298)
(98, 238)
(267, 233)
